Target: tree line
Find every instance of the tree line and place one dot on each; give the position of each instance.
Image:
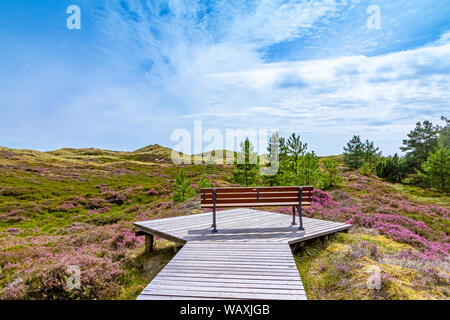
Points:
(296, 165)
(425, 163)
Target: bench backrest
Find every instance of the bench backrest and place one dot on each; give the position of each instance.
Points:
(256, 196)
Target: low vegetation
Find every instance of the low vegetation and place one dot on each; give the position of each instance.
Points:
(75, 209)
(70, 213)
(398, 239)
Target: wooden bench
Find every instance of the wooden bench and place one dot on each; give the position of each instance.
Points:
(297, 197)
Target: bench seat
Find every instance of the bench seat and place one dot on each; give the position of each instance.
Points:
(267, 204)
(295, 196)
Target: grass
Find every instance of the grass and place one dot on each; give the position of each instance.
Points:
(421, 195)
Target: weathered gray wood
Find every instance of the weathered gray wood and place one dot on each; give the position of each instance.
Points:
(240, 224)
(255, 278)
(249, 258)
(149, 238)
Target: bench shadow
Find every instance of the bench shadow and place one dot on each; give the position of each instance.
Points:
(245, 230)
(245, 233)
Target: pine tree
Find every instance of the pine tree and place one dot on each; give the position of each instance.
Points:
(210, 166)
(365, 169)
(437, 168)
(371, 153)
(283, 148)
(330, 176)
(354, 153)
(295, 150)
(421, 141)
(308, 171)
(246, 170)
(205, 182)
(391, 169)
(183, 189)
(270, 177)
(444, 132)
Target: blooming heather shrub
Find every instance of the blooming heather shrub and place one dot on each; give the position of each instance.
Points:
(285, 210)
(322, 198)
(65, 207)
(78, 201)
(96, 203)
(117, 197)
(388, 220)
(14, 230)
(36, 272)
(98, 278)
(152, 192)
(14, 215)
(348, 262)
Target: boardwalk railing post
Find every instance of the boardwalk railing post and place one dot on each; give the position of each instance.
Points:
(299, 208)
(214, 196)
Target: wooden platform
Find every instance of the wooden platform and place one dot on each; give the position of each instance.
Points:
(239, 225)
(248, 258)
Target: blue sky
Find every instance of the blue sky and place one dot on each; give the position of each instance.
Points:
(137, 70)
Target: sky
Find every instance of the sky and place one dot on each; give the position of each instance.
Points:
(138, 70)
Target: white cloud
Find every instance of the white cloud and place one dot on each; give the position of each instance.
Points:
(212, 69)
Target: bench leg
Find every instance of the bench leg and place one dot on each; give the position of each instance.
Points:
(299, 208)
(293, 215)
(149, 238)
(214, 221)
(214, 197)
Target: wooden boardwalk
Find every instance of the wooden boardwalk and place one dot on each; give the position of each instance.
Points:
(232, 270)
(248, 258)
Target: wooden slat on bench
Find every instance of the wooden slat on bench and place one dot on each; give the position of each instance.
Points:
(254, 189)
(255, 197)
(255, 204)
(260, 200)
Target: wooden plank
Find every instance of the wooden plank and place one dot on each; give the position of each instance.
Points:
(222, 289)
(253, 189)
(230, 276)
(205, 220)
(256, 205)
(147, 296)
(218, 282)
(254, 195)
(225, 295)
(208, 222)
(254, 201)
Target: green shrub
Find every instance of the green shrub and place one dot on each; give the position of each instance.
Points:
(205, 182)
(330, 175)
(365, 169)
(183, 189)
(437, 168)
